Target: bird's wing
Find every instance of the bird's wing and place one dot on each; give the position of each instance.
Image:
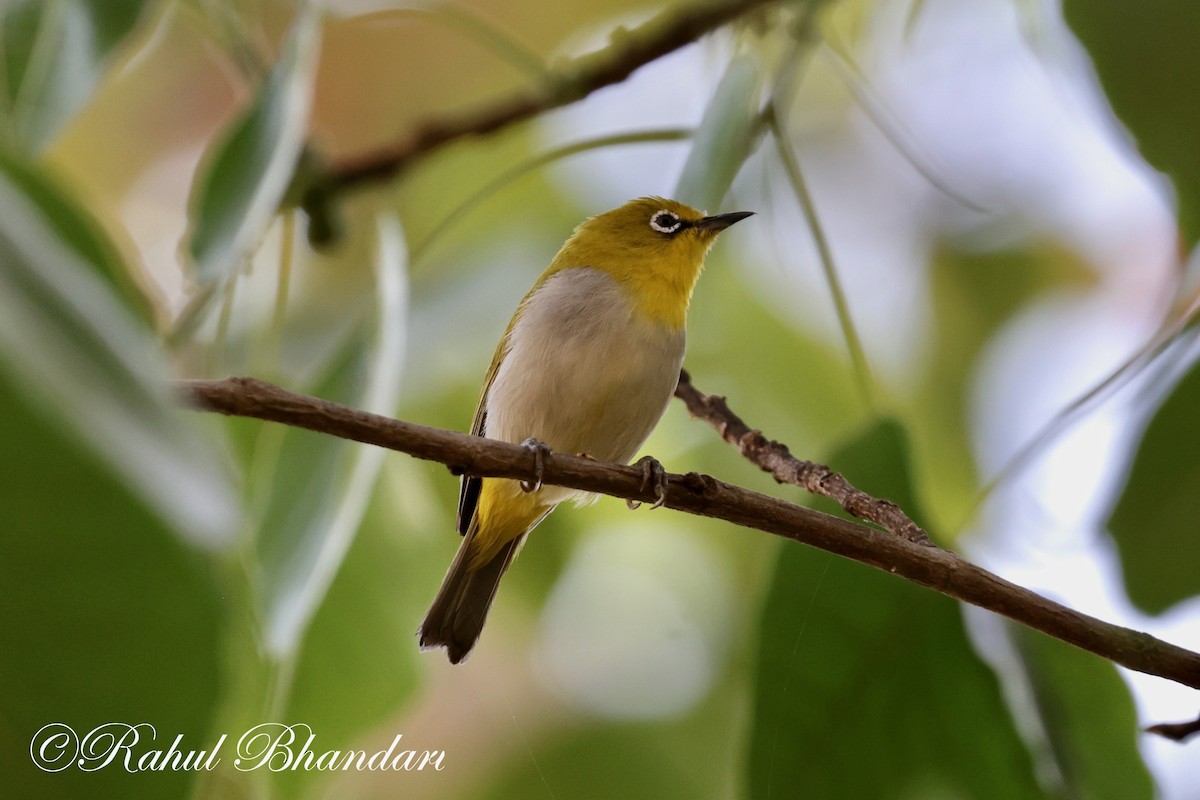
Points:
(468, 493)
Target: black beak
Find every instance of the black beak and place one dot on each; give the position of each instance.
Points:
(719, 222)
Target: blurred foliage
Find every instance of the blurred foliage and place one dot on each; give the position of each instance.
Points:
(846, 667)
(208, 575)
(249, 168)
(1151, 75)
(724, 139)
(54, 55)
(975, 294)
(78, 231)
(1088, 718)
(107, 615)
(86, 360)
(1154, 520)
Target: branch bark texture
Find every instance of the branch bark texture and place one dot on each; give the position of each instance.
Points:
(698, 494)
(775, 458)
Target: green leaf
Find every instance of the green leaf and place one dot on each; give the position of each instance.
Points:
(580, 764)
(54, 54)
(1155, 519)
(867, 685)
(358, 663)
(246, 172)
(1149, 65)
(98, 373)
(1089, 719)
(725, 138)
(344, 665)
(107, 615)
(77, 229)
(321, 484)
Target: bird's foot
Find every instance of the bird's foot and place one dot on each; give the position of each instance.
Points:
(540, 451)
(653, 475)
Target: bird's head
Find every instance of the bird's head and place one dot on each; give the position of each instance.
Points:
(652, 246)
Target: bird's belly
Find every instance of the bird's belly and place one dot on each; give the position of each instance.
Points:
(583, 373)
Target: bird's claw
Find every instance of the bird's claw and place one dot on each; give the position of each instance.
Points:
(539, 450)
(654, 475)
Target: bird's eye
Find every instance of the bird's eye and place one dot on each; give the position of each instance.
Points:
(665, 222)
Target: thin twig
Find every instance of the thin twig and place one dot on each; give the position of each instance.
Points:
(791, 168)
(542, 159)
(1169, 335)
(1176, 731)
(577, 78)
(932, 567)
(775, 458)
(890, 124)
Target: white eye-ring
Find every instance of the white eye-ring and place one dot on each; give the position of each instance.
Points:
(665, 222)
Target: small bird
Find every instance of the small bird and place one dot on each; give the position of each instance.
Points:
(587, 366)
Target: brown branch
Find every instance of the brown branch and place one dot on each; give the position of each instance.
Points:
(1176, 731)
(575, 79)
(775, 458)
(937, 569)
(629, 49)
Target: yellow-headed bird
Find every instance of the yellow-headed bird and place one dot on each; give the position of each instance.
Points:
(587, 366)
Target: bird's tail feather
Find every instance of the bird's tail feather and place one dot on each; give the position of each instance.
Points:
(460, 608)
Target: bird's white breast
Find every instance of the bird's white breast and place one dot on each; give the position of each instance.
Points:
(584, 372)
